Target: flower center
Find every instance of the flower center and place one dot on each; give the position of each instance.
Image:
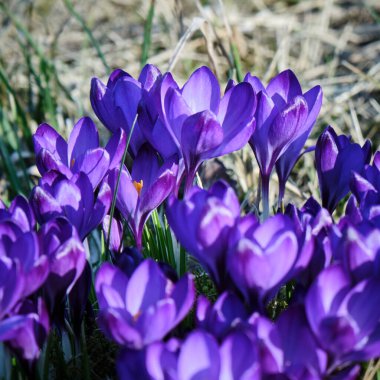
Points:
(138, 186)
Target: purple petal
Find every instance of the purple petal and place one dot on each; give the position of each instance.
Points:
(84, 136)
(286, 86)
(202, 92)
(115, 148)
(148, 76)
(183, 296)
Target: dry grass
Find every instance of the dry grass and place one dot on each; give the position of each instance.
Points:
(332, 43)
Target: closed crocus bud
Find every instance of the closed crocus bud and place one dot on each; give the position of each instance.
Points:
(284, 119)
(116, 103)
(142, 309)
(202, 222)
(261, 256)
(336, 159)
(345, 318)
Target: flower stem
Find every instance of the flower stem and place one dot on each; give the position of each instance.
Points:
(265, 195)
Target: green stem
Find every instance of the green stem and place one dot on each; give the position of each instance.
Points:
(265, 195)
(147, 34)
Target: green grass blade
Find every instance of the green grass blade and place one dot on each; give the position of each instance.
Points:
(147, 34)
(94, 42)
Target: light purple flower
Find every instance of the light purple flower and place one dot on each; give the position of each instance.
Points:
(142, 309)
(80, 154)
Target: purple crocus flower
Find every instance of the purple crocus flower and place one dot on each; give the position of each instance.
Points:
(20, 212)
(25, 332)
(60, 242)
(336, 158)
(261, 256)
(73, 198)
(202, 223)
(227, 312)
(116, 103)
(284, 119)
(345, 318)
(80, 154)
(142, 309)
(142, 191)
(194, 122)
(288, 348)
(23, 248)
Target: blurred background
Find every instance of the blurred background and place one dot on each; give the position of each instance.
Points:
(50, 50)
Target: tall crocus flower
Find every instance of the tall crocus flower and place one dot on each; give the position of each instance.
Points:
(142, 309)
(194, 122)
(202, 222)
(60, 242)
(336, 159)
(261, 256)
(345, 318)
(81, 153)
(142, 191)
(73, 198)
(116, 103)
(284, 119)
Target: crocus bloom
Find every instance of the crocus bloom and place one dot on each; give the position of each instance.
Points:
(284, 119)
(345, 318)
(25, 332)
(73, 198)
(336, 158)
(202, 223)
(142, 309)
(80, 154)
(194, 122)
(288, 347)
(19, 212)
(116, 103)
(23, 248)
(261, 256)
(60, 242)
(227, 312)
(142, 191)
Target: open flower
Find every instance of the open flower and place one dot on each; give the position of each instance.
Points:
(73, 198)
(142, 191)
(194, 122)
(80, 154)
(142, 309)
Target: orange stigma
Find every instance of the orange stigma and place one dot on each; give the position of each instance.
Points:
(138, 186)
(72, 162)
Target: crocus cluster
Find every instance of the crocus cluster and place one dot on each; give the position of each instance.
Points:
(296, 293)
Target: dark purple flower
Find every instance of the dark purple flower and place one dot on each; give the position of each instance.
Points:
(80, 154)
(288, 347)
(23, 248)
(73, 198)
(284, 119)
(60, 242)
(336, 158)
(226, 313)
(142, 191)
(116, 103)
(202, 223)
(26, 331)
(345, 318)
(142, 309)
(194, 122)
(261, 256)
(20, 212)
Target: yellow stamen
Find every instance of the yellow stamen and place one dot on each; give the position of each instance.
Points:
(138, 186)
(137, 315)
(72, 162)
